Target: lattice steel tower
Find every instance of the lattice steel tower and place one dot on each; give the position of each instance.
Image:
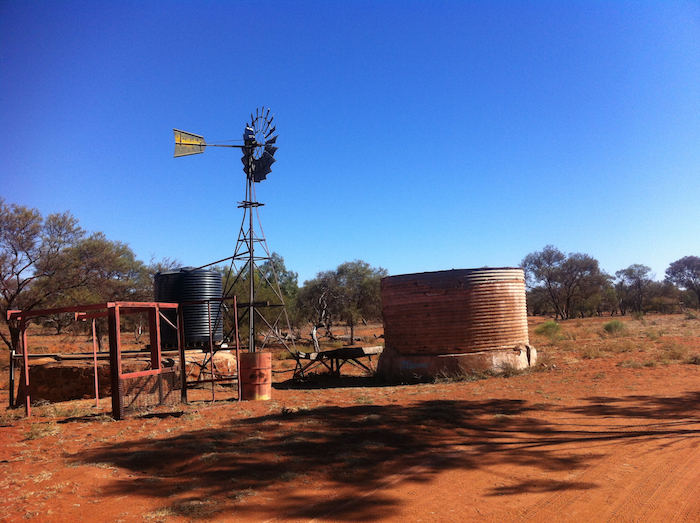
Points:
(251, 262)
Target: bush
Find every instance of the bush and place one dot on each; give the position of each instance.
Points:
(614, 327)
(674, 351)
(691, 314)
(508, 370)
(654, 334)
(630, 364)
(545, 362)
(591, 353)
(623, 346)
(465, 376)
(550, 329)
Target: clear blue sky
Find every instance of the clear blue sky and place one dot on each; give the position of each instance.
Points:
(416, 136)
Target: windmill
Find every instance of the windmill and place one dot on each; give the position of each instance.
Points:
(258, 156)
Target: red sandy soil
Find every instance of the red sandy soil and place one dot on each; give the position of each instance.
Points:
(607, 430)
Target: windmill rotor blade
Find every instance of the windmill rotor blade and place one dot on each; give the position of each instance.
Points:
(271, 140)
(188, 143)
(271, 131)
(271, 149)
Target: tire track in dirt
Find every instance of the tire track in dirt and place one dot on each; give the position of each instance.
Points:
(621, 494)
(426, 467)
(553, 506)
(690, 508)
(664, 487)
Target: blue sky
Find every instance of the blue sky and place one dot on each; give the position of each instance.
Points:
(416, 136)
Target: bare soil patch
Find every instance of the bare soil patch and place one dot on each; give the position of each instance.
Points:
(605, 429)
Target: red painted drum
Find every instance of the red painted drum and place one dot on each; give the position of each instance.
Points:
(256, 376)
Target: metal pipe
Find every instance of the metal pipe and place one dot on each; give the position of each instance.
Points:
(94, 358)
(251, 266)
(12, 378)
(25, 367)
(238, 349)
(211, 352)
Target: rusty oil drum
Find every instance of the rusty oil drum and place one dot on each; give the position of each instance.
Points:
(256, 376)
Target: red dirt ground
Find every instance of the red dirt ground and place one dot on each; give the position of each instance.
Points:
(607, 431)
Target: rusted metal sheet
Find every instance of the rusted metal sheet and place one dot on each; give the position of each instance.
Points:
(455, 312)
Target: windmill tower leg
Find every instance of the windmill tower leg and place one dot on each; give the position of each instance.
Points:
(256, 271)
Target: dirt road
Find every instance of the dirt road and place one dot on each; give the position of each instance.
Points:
(588, 441)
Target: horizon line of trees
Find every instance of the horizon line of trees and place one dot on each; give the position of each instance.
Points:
(51, 262)
(573, 285)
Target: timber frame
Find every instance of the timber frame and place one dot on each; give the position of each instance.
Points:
(113, 312)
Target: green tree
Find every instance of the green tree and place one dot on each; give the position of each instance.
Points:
(32, 252)
(662, 297)
(268, 277)
(631, 285)
(274, 270)
(100, 270)
(316, 303)
(685, 273)
(569, 283)
(351, 293)
(609, 300)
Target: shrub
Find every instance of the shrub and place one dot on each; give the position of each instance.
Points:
(40, 430)
(654, 334)
(591, 353)
(468, 376)
(544, 362)
(550, 329)
(691, 314)
(614, 327)
(508, 370)
(566, 344)
(623, 346)
(694, 359)
(674, 351)
(630, 364)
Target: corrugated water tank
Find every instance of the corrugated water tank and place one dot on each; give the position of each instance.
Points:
(186, 285)
(455, 312)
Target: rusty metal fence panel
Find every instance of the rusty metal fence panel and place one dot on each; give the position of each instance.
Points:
(138, 393)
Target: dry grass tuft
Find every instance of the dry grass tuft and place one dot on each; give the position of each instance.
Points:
(620, 346)
(41, 430)
(592, 353)
(672, 350)
(615, 328)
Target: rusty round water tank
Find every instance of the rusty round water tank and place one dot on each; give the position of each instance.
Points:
(455, 312)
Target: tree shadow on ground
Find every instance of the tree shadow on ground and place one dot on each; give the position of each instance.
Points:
(327, 381)
(649, 407)
(357, 451)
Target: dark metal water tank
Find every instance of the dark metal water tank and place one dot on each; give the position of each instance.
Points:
(187, 285)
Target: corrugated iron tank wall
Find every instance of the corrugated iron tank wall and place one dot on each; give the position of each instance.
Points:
(455, 312)
(184, 285)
